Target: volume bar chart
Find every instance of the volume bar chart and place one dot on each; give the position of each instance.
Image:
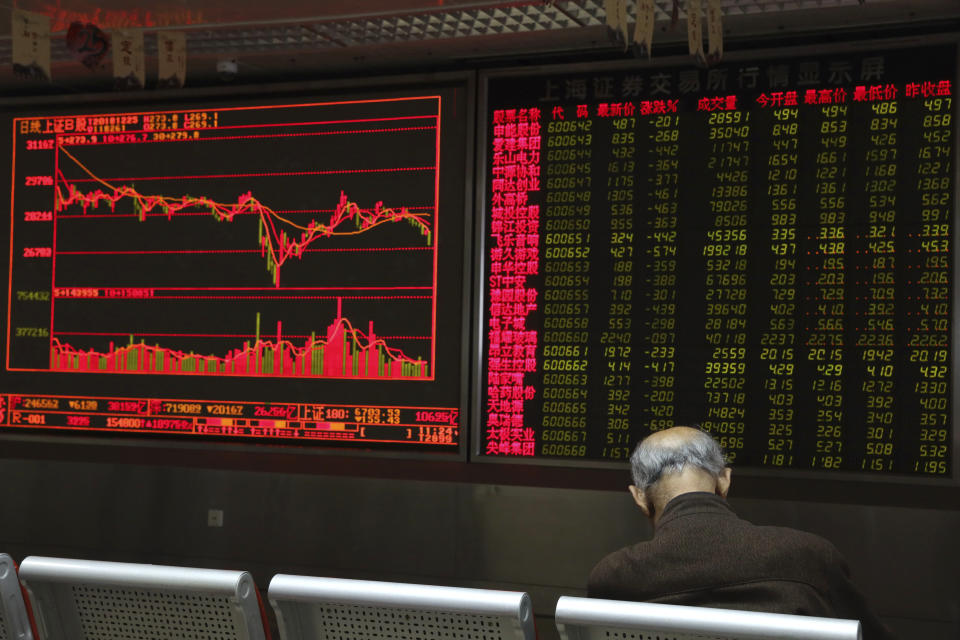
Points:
(277, 241)
(341, 352)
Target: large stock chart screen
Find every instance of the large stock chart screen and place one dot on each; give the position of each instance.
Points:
(762, 247)
(285, 270)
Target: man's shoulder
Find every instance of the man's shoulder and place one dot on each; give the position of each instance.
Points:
(740, 547)
(739, 535)
(796, 539)
(624, 557)
(761, 554)
(617, 572)
(807, 556)
(744, 533)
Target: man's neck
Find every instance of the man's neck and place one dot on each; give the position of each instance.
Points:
(690, 480)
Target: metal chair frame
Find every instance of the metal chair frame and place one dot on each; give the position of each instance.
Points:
(334, 608)
(14, 618)
(89, 599)
(594, 619)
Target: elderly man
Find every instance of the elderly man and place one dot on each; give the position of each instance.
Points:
(703, 554)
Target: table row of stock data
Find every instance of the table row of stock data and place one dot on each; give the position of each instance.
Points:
(228, 418)
(781, 276)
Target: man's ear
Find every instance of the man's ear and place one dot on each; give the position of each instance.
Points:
(723, 482)
(640, 497)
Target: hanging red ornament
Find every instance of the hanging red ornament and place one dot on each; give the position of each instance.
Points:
(88, 43)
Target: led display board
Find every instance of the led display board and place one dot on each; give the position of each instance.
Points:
(762, 247)
(246, 269)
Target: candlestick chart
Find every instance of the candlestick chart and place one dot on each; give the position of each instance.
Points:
(293, 241)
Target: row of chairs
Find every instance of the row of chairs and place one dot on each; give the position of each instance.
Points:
(91, 600)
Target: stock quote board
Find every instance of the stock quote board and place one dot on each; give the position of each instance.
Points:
(285, 270)
(762, 247)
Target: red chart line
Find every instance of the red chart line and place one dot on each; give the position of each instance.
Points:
(313, 105)
(310, 123)
(254, 298)
(275, 246)
(270, 174)
(260, 136)
(257, 136)
(209, 335)
(428, 207)
(339, 288)
(285, 125)
(215, 251)
(314, 123)
(206, 214)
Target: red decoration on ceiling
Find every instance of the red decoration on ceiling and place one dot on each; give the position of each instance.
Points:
(62, 18)
(88, 43)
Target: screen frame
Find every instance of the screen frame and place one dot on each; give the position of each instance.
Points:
(477, 453)
(161, 448)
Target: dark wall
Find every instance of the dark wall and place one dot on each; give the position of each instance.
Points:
(471, 533)
(541, 540)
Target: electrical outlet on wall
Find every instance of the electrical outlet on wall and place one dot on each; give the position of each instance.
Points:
(214, 517)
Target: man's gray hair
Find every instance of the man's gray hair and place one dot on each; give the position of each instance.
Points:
(651, 461)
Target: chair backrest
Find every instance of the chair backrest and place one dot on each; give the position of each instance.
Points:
(14, 619)
(338, 609)
(91, 600)
(593, 619)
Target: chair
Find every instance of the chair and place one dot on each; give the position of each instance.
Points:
(91, 600)
(337, 609)
(593, 619)
(14, 618)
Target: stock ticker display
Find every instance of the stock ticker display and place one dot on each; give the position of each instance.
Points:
(763, 248)
(247, 271)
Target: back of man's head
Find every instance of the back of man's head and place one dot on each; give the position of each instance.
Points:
(670, 451)
(675, 461)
